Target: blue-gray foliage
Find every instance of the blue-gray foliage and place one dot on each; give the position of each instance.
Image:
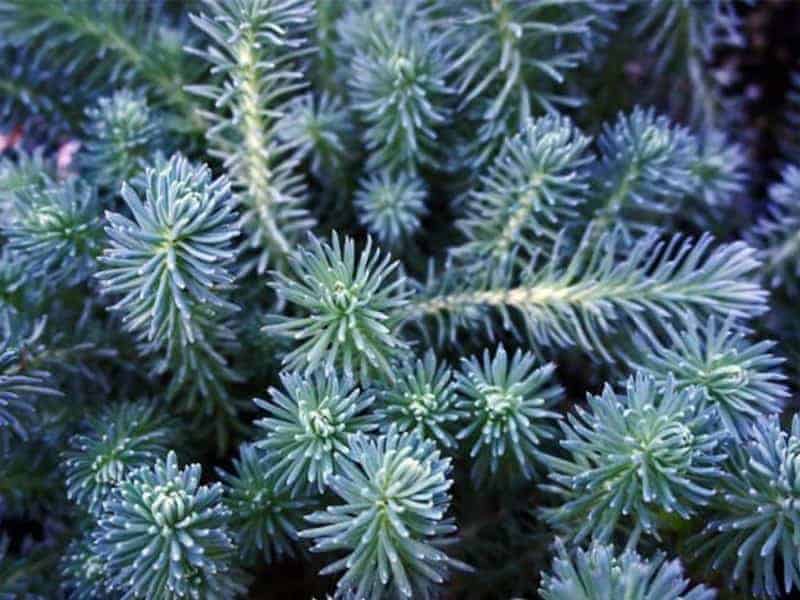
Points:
(392, 519)
(163, 535)
(305, 432)
(630, 457)
(413, 286)
(752, 535)
(169, 267)
(599, 573)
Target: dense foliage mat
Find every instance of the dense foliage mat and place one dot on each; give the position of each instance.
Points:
(398, 299)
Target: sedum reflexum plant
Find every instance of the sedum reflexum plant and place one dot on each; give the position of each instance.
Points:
(738, 379)
(423, 398)
(83, 571)
(116, 442)
(753, 534)
(599, 573)
(512, 59)
(392, 519)
(267, 517)
(55, 232)
(319, 131)
(170, 265)
(435, 298)
(776, 233)
(351, 309)
(531, 188)
(632, 457)
(163, 535)
(122, 133)
(390, 206)
(253, 50)
(599, 288)
(21, 387)
(398, 85)
(508, 411)
(682, 36)
(647, 163)
(307, 428)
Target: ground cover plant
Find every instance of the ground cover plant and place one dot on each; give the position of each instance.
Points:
(399, 299)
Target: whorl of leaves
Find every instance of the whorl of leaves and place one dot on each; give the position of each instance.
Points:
(528, 194)
(508, 412)
(632, 457)
(265, 518)
(318, 129)
(390, 206)
(121, 134)
(391, 521)
(116, 441)
(754, 530)
(55, 232)
(739, 379)
(398, 84)
(163, 535)
(599, 573)
(305, 432)
(423, 398)
(170, 264)
(349, 309)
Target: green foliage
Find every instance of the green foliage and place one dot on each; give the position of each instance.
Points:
(531, 189)
(306, 432)
(84, 572)
(423, 398)
(163, 535)
(105, 43)
(36, 99)
(632, 457)
(31, 484)
(319, 130)
(598, 573)
(340, 202)
(171, 265)
(55, 232)
(755, 525)
(579, 300)
(508, 411)
(264, 517)
(27, 171)
(776, 234)
(399, 90)
(14, 285)
(390, 206)
(117, 441)
(646, 167)
(256, 45)
(17, 579)
(681, 37)
(511, 59)
(720, 171)
(740, 380)
(21, 386)
(702, 24)
(350, 309)
(121, 135)
(392, 520)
